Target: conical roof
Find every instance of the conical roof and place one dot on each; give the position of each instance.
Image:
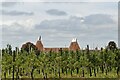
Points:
(74, 45)
(39, 44)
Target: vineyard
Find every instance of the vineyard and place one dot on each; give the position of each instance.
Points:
(86, 63)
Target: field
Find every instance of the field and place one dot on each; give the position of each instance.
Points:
(87, 63)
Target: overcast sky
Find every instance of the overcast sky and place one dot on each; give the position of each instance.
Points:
(93, 23)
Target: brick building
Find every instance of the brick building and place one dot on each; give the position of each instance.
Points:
(73, 46)
(39, 46)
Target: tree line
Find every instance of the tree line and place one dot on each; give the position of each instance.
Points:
(81, 63)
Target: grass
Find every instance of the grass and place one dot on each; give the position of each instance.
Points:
(98, 75)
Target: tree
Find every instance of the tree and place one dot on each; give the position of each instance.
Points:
(28, 47)
(84, 63)
(6, 63)
(112, 45)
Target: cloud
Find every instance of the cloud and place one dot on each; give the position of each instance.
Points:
(18, 24)
(56, 12)
(60, 30)
(75, 27)
(16, 13)
(8, 4)
(98, 19)
(17, 33)
(68, 1)
(66, 25)
(74, 23)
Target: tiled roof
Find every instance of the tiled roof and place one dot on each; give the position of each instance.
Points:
(39, 45)
(74, 46)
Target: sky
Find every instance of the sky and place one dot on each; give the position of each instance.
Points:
(92, 23)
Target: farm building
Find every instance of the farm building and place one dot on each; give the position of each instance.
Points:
(39, 46)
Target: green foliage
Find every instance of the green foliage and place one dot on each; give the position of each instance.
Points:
(101, 63)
